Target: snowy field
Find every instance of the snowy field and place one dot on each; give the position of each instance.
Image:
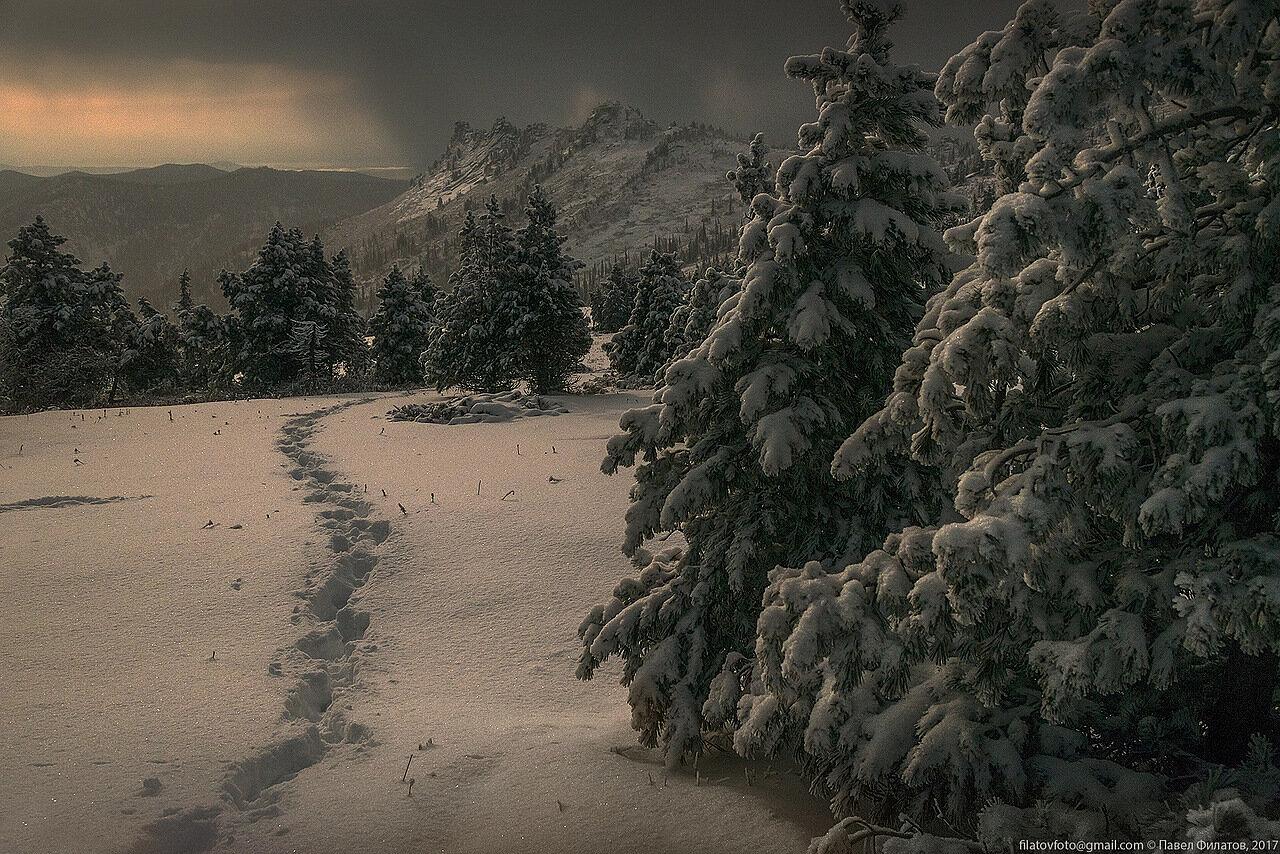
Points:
(229, 627)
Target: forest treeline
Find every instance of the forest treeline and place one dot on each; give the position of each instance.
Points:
(69, 336)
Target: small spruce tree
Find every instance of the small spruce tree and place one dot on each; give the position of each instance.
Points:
(551, 334)
(613, 300)
(755, 174)
(204, 346)
(151, 359)
(401, 327)
(346, 327)
(185, 301)
(639, 350)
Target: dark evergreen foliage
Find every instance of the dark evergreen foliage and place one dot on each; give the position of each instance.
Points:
(640, 349)
(65, 328)
(551, 334)
(469, 344)
(401, 328)
(613, 298)
(513, 313)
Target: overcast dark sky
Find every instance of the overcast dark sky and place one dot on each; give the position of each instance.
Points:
(345, 83)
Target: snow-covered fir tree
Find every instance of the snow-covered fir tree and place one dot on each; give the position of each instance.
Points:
(45, 291)
(318, 301)
(613, 300)
(201, 340)
(107, 322)
(204, 348)
(345, 331)
(151, 358)
(694, 320)
(469, 346)
(639, 350)
(755, 174)
(1082, 642)
(425, 287)
(290, 281)
(551, 334)
(185, 301)
(735, 451)
(400, 328)
(65, 328)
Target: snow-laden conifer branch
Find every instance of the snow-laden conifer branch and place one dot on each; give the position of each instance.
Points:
(1091, 162)
(1095, 397)
(734, 452)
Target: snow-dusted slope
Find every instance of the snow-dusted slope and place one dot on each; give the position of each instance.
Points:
(372, 590)
(619, 181)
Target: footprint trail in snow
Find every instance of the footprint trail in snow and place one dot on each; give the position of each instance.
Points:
(323, 662)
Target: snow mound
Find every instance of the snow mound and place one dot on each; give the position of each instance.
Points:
(490, 408)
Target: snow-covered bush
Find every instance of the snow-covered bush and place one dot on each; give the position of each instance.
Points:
(1092, 619)
(735, 451)
(490, 408)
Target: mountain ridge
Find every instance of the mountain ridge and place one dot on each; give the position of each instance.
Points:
(620, 182)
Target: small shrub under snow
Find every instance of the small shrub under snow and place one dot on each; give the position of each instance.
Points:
(478, 409)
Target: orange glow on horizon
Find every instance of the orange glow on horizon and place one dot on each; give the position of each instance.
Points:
(252, 113)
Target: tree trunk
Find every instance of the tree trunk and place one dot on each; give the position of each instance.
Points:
(1242, 704)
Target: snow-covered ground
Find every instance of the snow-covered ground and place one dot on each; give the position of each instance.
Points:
(295, 735)
(127, 651)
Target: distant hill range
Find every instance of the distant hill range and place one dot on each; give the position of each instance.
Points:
(150, 224)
